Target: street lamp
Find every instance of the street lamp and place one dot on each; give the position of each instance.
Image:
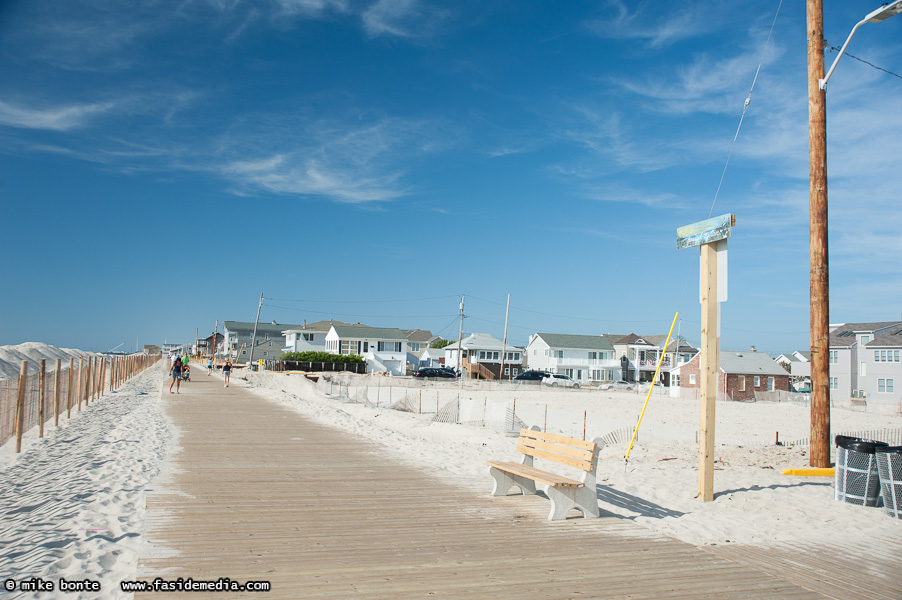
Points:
(817, 209)
(881, 14)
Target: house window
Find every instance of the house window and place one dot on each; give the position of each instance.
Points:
(516, 371)
(568, 372)
(506, 371)
(834, 356)
(414, 347)
(691, 378)
(482, 355)
(834, 383)
(675, 381)
(895, 356)
(876, 355)
(389, 346)
(770, 384)
(865, 339)
(559, 354)
(886, 386)
(742, 383)
(863, 371)
(593, 355)
(757, 381)
(308, 337)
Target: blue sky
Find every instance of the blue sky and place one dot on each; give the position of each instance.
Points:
(164, 162)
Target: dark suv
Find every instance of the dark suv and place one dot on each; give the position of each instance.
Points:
(531, 376)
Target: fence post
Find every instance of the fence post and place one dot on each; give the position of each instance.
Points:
(70, 388)
(42, 396)
(56, 393)
(81, 367)
(20, 404)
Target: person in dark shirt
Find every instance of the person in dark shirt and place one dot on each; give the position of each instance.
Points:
(226, 372)
(176, 373)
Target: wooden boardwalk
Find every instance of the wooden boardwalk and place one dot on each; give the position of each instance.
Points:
(259, 493)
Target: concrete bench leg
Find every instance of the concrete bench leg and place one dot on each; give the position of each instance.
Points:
(505, 481)
(565, 498)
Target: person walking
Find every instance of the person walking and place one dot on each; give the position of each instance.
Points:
(176, 373)
(226, 372)
(210, 367)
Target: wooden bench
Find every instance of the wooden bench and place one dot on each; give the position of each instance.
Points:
(564, 492)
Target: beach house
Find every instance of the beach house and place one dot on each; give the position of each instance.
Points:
(740, 375)
(482, 357)
(854, 374)
(642, 353)
(309, 337)
(384, 349)
(880, 378)
(237, 336)
(584, 358)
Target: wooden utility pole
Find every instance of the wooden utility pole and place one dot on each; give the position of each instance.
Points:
(817, 214)
(460, 339)
(504, 341)
(250, 359)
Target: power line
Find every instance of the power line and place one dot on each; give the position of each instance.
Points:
(319, 312)
(360, 301)
(861, 60)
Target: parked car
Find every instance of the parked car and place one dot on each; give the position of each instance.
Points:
(434, 372)
(556, 380)
(531, 376)
(625, 386)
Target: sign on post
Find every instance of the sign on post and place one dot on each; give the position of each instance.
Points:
(711, 235)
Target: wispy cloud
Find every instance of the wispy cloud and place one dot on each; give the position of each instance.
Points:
(660, 24)
(631, 195)
(60, 118)
(409, 19)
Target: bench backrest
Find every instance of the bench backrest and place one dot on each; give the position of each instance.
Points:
(558, 448)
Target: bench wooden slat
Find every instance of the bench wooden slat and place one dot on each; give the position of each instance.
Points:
(558, 439)
(545, 477)
(570, 451)
(564, 460)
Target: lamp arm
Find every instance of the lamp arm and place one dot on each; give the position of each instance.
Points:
(822, 83)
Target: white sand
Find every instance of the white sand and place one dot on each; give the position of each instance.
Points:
(72, 504)
(11, 357)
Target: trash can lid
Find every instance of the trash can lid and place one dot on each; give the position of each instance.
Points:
(890, 449)
(859, 445)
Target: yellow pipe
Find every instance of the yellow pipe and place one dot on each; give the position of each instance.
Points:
(816, 472)
(653, 382)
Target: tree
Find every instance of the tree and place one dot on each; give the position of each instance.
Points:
(440, 343)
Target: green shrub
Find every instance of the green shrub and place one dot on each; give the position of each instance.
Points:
(312, 356)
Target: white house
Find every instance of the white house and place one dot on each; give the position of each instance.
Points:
(310, 337)
(880, 372)
(432, 357)
(799, 365)
(853, 371)
(384, 349)
(584, 358)
(417, 341)
(482, 357)
(642, 354)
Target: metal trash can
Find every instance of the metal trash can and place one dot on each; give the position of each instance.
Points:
(856, 479)
(889, 467)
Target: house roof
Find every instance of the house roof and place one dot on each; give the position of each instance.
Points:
(789, 358)
(321, 326)
(363, 332)
(481, 341)
(804, 354)
(750, 363)
(631, 339)
(419, 335)
(893, 338)
(582, 342)
(432, 353)
(844, 335)
(274, 328)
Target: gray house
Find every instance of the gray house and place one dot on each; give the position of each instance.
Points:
(238, 334)
(851, 355)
